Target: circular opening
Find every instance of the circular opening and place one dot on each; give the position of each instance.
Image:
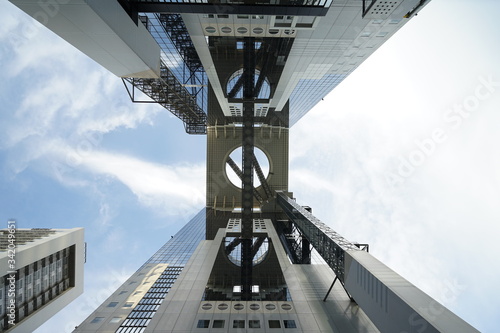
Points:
(210, 30)
(206, 306)
(242, 30)
(270, 307)
(289, 32)
(273, 31)
(236, 156)
(239, 306)
(265, 90)
(226, 30)
(223, 306)
(286, 307)
(258, 30)
(234, 243)
(254, 307)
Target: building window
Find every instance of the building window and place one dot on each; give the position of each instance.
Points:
(123, 292)
(115, 320)
(218, 323)
(254, 324)
(238, 324)
(274, 324)
(112, 304)
(128, 304)
(97, 320)
(289, 324)
(223, 16)
(203, 323)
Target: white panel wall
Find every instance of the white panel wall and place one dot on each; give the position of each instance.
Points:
(103, 31)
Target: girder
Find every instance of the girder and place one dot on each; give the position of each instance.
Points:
(172, 95)
(262, 178)
(238, 172)
(329, 244)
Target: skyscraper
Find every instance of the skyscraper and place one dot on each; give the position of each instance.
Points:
(242, 73)
(42, 272)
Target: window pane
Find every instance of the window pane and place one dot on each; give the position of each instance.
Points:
(112, 304)
(203, 323)
(274, 324)
(218, 324)
(97, 320)
(238, 324)
(254, 324)
(289, 324)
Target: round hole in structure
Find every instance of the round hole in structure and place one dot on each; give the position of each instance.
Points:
(254, 307)
(236, 157)
(270, 307)
(258, 30)
(210, 30)
(206, 306)
(222, 306)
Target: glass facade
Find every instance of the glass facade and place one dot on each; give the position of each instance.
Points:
(314, 90)
(175, 58)
(180, 247)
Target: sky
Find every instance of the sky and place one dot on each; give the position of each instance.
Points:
(402, 155)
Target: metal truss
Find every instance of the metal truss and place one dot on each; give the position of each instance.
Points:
(262, 178)
(238, 172)
(296, 246)
(176, 29)
(172, 95)
(247, 166)
(281, 7)
(329, 244)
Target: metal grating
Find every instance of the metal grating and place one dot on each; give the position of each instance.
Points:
(172, 95)
(329, 244)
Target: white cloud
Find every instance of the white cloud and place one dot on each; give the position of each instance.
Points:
(178, 189)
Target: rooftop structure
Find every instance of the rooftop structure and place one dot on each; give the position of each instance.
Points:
(41, 272)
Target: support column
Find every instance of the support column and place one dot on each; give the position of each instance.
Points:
(247, 163)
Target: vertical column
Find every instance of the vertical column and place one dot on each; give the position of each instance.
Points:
(247, 184)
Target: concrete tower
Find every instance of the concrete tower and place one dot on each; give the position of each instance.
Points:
(41, 272)
(242, 73)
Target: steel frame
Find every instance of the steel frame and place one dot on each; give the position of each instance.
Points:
(172, 95)
(329, 244)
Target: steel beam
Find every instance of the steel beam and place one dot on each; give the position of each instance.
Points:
(219, 8)
(391, 302)
(238, 172)
(169, 92)
(329, 244)
(247, 163)
(262, 178)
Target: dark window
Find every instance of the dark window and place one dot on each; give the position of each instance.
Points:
(223, 16)
(128, 304)
(289, 324)
(97, 320)
(254, 324)
(203, 323)
(112, 304)
(274, 324)
(218, 324)
(238, 324)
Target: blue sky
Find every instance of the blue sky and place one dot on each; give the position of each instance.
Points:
(403, 155)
